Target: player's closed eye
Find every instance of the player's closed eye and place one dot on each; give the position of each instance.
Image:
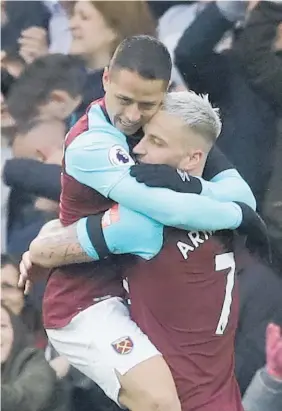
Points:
(146, 106)
(156, 141)
(125, 101)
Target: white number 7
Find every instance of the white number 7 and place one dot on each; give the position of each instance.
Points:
(223, 262)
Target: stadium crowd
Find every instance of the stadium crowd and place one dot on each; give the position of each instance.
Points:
(53, 55)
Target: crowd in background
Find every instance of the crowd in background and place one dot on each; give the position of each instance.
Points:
(52, 59)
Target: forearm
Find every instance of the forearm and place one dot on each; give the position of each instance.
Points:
(229, 186)
(52, 225)
(223, 182)
(57, 247)
(202, 35)
(201, 68)
(132, 233)
(185, 211)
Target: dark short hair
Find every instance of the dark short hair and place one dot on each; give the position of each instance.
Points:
(39, 79)
(144, 55)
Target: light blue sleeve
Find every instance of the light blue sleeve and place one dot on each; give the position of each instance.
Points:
(133, 233)
(229, 186)
(101, 161)
(98, 160)
(185, 211)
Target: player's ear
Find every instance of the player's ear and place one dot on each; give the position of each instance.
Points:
(106, 78)
(40, 156)
(61, 103)
(58, 101)
(192, 161)
(58, 96)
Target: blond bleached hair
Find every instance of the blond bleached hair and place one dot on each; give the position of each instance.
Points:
(196, 112)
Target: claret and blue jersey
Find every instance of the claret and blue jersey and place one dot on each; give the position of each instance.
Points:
(99, 158)
(95, 175)
(183, 296)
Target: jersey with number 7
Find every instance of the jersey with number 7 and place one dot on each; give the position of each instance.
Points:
(185, 299)
(183, 294)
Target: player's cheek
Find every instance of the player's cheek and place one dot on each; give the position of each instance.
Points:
(155, 156)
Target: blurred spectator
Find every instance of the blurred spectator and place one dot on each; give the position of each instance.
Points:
(34, 41)
(51, 87)
(12, 64)
(260, 290)
(26, 214)
(24, 221)
(272, 210)
(33, 44)
(6, 82)
(19, 16)
(4, 17)
(159, 8)
(59, 30)
(97, 28)
(11, 67)
(11, 296)
(34, 177)
(28, 382)
(32, 29)
(171, 26)
(265, 390)
(260, 51)
(48, 149)
(248, 132)
(6, 154)
(43, 141)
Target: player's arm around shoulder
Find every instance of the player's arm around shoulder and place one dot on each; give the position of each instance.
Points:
(124, 232)
(100, 160)
(228, 185)
(222, 181)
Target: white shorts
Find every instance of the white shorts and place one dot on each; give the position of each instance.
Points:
(102, 339)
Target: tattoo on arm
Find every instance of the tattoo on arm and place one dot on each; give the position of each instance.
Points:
(61, 246)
